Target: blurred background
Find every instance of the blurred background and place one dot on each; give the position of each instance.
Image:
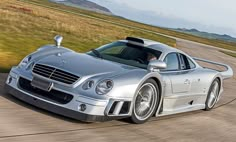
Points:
(26, 25)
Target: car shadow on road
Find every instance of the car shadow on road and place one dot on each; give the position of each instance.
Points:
(11, 98)
(39, 110)
(71, 120)
(51, 114)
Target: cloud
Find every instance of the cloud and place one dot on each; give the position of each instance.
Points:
(207, 15)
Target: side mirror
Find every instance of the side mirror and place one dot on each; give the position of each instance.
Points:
(58, 39)
(156, 64)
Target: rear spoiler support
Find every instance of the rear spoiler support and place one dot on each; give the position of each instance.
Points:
(228, 73)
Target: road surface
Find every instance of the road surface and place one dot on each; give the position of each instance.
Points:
(20, 122)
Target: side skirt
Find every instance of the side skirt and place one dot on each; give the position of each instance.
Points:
(181, 103)
(182, 110)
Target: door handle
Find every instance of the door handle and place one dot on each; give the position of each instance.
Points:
(187, 82)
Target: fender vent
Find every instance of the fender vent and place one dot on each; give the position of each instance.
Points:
(125, 108)
(112, 108)
(191, 103)
(119, 108)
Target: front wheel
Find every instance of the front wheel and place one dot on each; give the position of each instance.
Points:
(213, 94)
(145, 102)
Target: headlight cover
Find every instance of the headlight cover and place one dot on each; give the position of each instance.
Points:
(88, 84)
(104, 87)
(25, 62)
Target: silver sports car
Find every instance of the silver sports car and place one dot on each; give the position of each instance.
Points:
(133, 78)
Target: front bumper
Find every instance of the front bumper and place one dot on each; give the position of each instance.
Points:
(96, 110)
(56, 109)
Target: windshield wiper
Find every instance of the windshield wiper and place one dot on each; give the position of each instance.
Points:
(98, 54)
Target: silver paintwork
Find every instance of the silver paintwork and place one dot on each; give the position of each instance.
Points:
(58, 39)
(156, 64)
(178, 88)
(228, 73)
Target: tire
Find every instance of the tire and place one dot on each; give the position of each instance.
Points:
(145, 102)
(213, 94)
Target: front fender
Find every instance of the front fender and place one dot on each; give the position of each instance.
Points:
(126, 85)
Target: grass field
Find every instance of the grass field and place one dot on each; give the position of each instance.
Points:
(229, 53)
(27, 24)
(217, 43)
(25, 27)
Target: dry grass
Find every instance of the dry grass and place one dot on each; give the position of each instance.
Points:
(218, 43)
(229, 53)
(24, 27)
(4, 57)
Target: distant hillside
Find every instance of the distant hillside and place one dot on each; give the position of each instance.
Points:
(207, 35)
(84, 4)
(41, 20)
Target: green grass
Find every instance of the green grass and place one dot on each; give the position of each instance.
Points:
(25, 27)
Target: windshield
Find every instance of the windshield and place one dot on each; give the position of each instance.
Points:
(126, 53)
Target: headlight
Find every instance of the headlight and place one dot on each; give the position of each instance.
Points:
(87, 85)
(104, 87)
(25, 61)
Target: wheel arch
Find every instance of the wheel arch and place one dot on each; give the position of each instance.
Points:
(158, 79)
(220, 81)
(160, 103)
(158, 83)
(221, 85)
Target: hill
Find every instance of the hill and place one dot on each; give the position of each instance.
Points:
(25, 27)
(207, 35)
(135, 25)
(28, 24)
(84, 4)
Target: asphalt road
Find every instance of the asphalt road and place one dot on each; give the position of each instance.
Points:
(24, 123)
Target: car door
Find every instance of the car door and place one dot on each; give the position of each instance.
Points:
(180, 79)
(197, 80)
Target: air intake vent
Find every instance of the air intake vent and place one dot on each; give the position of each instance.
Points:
(55, 74)
(133, 39)
(119, 108)
(54, 95)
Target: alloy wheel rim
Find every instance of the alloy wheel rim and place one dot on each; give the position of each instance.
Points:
(213, 95)
(145, 101)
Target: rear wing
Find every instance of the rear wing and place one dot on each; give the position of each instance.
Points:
(228, 73)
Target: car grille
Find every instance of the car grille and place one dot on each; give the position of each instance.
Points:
(55, 74)
(53, 95)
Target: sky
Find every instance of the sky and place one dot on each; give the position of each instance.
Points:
(218, 16)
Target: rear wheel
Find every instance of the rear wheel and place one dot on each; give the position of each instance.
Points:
(145, 102)
(213, 94)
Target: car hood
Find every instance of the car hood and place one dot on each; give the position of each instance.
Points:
(84, 65)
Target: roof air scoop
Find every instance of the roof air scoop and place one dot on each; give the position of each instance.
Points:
(135, 41)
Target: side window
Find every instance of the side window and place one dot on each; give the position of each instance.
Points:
(186, 63)
(183, 62)
(191, 64)
(172, 62)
